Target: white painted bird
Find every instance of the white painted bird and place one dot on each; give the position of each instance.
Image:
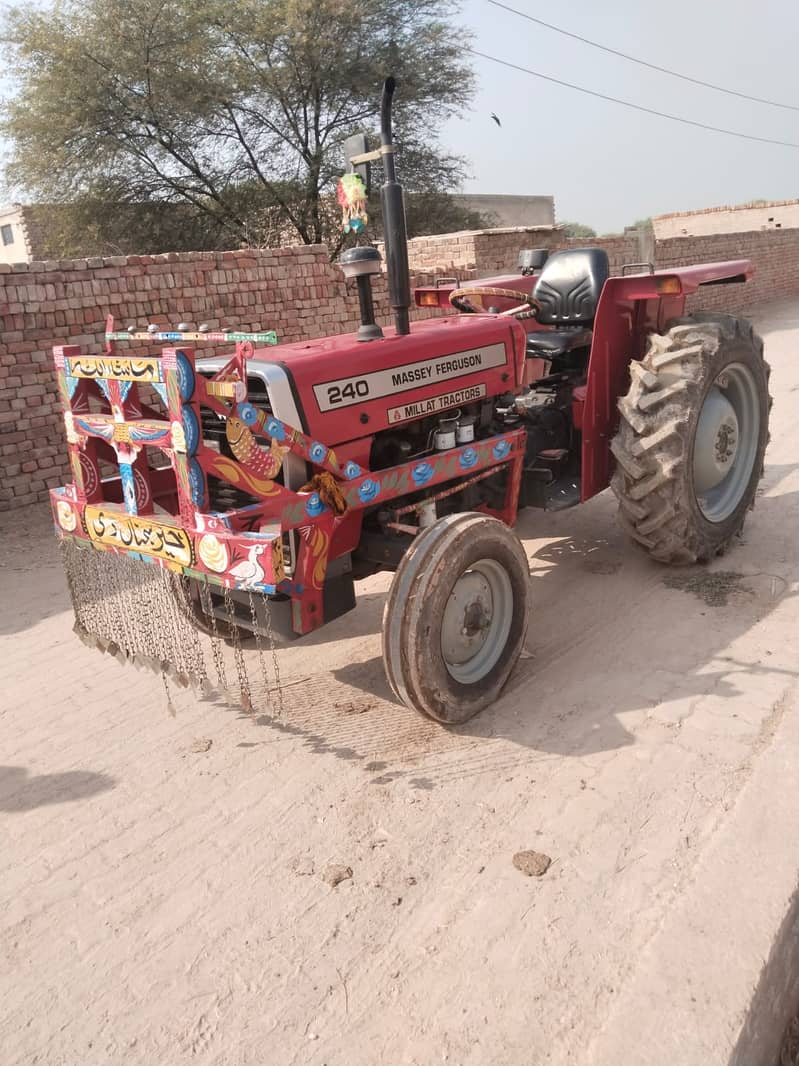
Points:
(249, 571)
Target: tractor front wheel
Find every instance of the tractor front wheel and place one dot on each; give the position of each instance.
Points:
(456, 617)
(691, 440)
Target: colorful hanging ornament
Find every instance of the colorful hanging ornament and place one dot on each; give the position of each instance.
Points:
(352, 198)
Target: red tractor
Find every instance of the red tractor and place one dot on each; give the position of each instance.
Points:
(411, 449)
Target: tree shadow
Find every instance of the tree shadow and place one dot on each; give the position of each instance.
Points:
(19, 792)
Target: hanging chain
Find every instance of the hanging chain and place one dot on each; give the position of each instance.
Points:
(270, 636)
(124, 599)
(132, 610)
(238, 654)
(187, 657)
(207, 605)
(149, 653)
(259, 646)
(68, 561)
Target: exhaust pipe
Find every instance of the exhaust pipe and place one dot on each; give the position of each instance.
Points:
(394, 231)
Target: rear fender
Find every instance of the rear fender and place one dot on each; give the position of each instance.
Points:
(629, 309)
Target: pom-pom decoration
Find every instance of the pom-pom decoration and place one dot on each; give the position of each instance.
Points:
(352, 199)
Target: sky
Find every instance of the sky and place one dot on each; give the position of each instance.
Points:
(607, 165)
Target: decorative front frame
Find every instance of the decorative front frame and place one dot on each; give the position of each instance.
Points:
(240, 548)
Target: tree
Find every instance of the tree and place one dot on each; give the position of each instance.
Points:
(237, 108)
(577, 229)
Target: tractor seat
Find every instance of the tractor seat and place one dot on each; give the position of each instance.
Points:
(569, 286)
(547, 344)
(568, 290)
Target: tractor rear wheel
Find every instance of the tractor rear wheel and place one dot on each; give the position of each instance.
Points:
(456, 617)
(691, 440)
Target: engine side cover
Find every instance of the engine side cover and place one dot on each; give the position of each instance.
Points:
(345, 389)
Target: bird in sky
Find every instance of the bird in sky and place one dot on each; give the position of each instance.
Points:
(496, 120)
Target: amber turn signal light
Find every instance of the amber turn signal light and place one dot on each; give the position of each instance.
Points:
(668, 286)
(427, 299)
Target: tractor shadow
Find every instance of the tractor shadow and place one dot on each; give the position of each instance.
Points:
(616, 638)
(613, 639)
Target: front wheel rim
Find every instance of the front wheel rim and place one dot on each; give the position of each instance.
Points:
(476, 622)
(726, 442)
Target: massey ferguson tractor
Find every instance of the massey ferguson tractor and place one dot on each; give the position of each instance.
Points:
(286, 472)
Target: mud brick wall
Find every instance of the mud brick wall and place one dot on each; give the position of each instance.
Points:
(296, 291)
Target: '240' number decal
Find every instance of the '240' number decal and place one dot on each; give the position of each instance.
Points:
(353, 390)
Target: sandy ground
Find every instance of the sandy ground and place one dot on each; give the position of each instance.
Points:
(161, 903)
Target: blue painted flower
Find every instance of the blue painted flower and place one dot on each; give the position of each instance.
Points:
(351, 470)
(501, 449)
(468, 458)
(196, 484)
(422, 473)
(248, 414)
(185, 377)
(275, 429)
(191, 430)
(369, 490)
(317, 452)
(314, 506)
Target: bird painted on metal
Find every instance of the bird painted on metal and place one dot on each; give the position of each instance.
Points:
(496, 120)
(265, 462)
(249, 571)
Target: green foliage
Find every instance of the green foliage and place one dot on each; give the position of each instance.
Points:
(578, 229)
(234, 109)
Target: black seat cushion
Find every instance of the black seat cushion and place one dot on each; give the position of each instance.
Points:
(568, 287)
(546, 344)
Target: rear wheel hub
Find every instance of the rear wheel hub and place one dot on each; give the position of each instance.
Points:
(726, 442)
(716, 441)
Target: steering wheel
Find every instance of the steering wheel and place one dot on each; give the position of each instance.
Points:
(528, 308)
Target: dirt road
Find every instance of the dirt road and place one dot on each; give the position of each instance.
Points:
(162, 901)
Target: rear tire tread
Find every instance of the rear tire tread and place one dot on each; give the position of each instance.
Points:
(653, 480)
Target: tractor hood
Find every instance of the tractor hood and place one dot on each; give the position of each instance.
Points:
(339, 389)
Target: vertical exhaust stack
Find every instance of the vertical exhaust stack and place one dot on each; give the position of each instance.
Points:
(394, 232)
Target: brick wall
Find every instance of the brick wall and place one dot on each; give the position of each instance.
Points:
(486, 250)
(775, 254)
(296, 291)
(497, 250)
